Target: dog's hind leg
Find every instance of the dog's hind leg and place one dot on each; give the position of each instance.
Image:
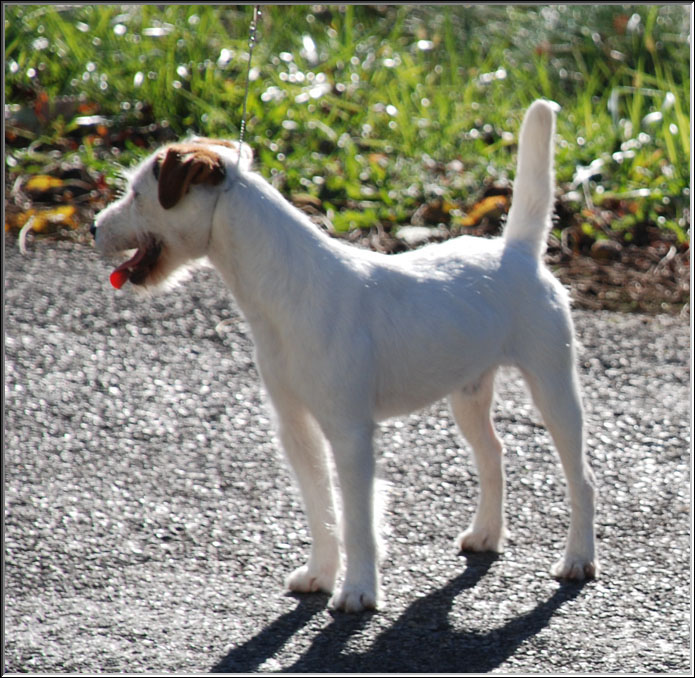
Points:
(471, 410)
(304, 446)
(555, 392)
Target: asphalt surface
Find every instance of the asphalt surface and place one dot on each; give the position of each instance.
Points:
(150, 521)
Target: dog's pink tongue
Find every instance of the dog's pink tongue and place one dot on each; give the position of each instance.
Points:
(118, 278)
(120, 275)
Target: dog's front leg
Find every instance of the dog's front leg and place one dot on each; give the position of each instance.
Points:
(304, 446)
(354, 460)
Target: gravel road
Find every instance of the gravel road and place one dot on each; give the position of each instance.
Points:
(150, 521)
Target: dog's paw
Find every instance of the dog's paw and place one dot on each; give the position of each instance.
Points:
(575, 568)
(354, 599)
(474, 539)
(307, 580)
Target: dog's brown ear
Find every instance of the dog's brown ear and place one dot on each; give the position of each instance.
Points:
(184, 165)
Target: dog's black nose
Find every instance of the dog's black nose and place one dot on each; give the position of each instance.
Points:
(93, 229)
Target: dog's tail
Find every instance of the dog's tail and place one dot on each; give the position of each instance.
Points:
(530, 215)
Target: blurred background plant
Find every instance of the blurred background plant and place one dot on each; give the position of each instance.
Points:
(395, 123)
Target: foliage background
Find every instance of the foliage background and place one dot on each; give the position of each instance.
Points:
(370, 117)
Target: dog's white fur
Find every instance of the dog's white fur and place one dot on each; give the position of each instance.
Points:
(346, 337)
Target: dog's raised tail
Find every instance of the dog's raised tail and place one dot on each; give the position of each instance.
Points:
(530, 215)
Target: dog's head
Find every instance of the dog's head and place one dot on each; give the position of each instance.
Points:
(167, 210)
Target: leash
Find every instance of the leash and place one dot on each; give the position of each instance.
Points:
(252, 42)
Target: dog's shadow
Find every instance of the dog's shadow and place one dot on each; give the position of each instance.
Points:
(421, 640)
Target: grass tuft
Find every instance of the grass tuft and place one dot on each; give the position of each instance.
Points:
(372, 110)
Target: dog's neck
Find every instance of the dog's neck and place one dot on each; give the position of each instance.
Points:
(270, 255)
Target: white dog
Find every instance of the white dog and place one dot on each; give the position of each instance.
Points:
(346, 337)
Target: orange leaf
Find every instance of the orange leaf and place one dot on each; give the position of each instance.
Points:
(493, 203)
(43, 182)
(64, 215)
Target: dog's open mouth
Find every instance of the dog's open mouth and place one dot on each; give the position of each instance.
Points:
(139, 266)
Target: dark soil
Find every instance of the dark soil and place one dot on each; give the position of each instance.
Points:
(646, 270)
(651, 279)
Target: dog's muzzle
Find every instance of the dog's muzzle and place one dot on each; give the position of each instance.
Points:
(141, 265)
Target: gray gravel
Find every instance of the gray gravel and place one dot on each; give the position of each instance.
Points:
(150, 521)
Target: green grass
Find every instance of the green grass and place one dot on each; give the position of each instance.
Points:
(364, 108)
